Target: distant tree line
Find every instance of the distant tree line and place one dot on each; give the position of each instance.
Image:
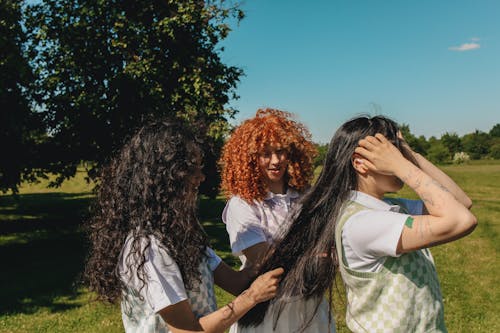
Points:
(449, 148)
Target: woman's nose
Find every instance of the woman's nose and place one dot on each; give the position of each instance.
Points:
(275, 159)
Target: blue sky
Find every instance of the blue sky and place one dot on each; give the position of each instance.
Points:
(434, 65)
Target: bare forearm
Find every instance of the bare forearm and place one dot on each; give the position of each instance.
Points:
(221, 319)
(437, 198)
(181, 319)
(447, 217)
(442, 178)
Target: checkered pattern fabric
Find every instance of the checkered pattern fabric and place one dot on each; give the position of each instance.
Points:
(404, 296)
(138, 316)
(202, 297)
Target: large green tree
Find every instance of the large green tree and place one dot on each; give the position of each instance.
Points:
(20, 126)
(106, 66)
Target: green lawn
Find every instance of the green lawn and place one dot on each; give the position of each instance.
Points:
(42, 253)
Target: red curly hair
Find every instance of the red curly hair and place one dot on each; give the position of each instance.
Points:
(241, 174)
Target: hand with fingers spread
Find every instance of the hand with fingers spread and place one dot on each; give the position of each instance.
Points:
(379, 154)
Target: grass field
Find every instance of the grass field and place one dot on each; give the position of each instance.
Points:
(42, 251)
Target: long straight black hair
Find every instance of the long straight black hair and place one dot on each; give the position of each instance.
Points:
(306, 250)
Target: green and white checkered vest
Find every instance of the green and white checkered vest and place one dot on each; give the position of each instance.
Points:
(403, 296)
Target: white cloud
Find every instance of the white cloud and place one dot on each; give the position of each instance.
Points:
(465, 47)
(475, 39)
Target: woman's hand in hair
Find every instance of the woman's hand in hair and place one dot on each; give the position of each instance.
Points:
(179, 317)
(378, 154)
(406, 149)
(265, 286)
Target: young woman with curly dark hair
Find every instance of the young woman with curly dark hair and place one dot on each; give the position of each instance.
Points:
(148, 248)
(266, 164)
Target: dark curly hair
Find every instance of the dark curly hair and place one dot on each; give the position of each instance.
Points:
(241, 174)
(147, 190)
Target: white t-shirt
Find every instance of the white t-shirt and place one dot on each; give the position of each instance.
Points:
(250, 224)
(164, 286)
(372, 235)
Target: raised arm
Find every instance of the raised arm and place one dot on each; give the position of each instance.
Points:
(448, 219)
(441, 177)
(181, 319)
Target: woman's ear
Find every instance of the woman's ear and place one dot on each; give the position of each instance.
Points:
(358, 164)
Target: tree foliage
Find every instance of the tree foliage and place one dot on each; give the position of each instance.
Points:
(476, 144)
(452, 142)
(322, 150)
(438, 153)
(20, 126)
(495, 150)
(419, 144)
(105, 66)
(495, 131)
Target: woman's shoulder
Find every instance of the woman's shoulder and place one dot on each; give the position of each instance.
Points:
(237, 208)
(149, 247)
(238, 202)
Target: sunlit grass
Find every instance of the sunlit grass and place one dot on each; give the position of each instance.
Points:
(43, 250)
(77, 184)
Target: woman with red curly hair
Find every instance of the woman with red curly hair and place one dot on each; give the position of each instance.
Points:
(266, 164)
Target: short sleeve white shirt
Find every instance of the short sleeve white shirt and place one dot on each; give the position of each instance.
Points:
(164, 284)
(249, 224)
(370, 236)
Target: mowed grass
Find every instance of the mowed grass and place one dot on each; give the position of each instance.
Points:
(42, 251)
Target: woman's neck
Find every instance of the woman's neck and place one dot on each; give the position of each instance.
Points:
(277, 187)
(370, 190)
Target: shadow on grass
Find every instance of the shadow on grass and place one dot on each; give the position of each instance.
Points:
(42, 249)
(219, 240)
(210, 211)
(40, 272)
(42, 211)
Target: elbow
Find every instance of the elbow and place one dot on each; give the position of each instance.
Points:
(472, 223)
(468, 224)
(459, 226)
